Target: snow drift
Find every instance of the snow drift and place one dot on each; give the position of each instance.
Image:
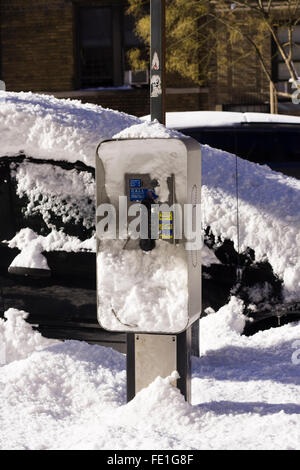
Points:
(72, 395)
(45, 127)
(17, 339)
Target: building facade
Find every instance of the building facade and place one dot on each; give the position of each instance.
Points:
(77, 49)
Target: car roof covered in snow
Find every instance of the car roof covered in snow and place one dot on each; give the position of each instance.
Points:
(189, 119)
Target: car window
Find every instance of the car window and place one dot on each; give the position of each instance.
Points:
(218, 138)
(259, 145)
(263, 146)
(51, 195)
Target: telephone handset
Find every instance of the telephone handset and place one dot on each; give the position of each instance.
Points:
(147, 244)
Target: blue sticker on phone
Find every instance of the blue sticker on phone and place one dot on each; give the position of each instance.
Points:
(138, 194)
(135, 183)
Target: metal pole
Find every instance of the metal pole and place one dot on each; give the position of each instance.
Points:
(272, 107)
(157, 61)
(149, 355)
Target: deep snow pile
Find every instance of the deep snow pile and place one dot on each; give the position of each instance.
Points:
(269, 212)
(17, 339)
(31, 246)
(150, 294)
(269, 206)
(45, 127)
(71, 395)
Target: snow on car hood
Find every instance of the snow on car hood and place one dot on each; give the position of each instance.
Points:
(45, 127)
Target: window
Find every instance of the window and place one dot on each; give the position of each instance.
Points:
(131, 41)
(104, 35)
(96, 47)
(282, 73)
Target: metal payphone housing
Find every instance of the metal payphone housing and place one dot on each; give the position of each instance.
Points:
(158, 171)
(138, 163)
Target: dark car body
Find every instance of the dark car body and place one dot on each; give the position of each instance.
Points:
(63, 303)
(276, 145)
(261, 138)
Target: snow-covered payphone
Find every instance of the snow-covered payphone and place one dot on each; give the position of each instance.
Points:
(148, 245)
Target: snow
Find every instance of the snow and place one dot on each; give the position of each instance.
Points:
(146, 130)
(45, 127)
(31, 258)
(160, 162)
(269, 212)
(151, 288)
(71, 395)
(150, 293)
(208, 257)
(55, 241)
(224, 327)
(258, 293)
(185, 120)
(190, 119)
(29, 245)
(269, 209)
(32, 245)
(17, 339)
(51, 189)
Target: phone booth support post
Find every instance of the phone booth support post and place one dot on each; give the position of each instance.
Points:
(150, 355)
(149, 253)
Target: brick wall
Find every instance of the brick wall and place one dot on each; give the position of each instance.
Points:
(193, 99)
(137, 101)
(236, 79)
(37, 44)
(131, 101)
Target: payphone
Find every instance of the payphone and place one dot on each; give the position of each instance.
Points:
(148, 250)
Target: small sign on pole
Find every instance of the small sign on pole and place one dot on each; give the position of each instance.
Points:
(157, 61)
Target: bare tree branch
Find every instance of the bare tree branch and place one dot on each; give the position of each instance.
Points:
(252, 43)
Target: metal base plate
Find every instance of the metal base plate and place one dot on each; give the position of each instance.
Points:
(155, 355)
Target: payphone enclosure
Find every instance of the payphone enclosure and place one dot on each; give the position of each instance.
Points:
(148, 282)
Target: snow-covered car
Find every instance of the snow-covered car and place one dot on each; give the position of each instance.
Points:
(47, 206)
(47, 257)
(47, 187)
(47, 254)
(258, 137)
